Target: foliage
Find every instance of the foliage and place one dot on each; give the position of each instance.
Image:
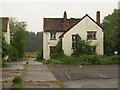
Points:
(111, 24)
(85, 60)
(34, 41)
(5, 52)
(39, 56)
(57, 52)
(82, 47)
(8, 51)
(17, 82)
(17, 30)
(5, 48)
(1, 44)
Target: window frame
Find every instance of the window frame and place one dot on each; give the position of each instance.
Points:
(73, 40)
(93, 35)
(52, 35)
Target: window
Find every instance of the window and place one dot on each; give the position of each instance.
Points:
(53, 35)
(91, 35)
(73, 41)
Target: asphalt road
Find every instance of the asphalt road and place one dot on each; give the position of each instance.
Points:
(86, 76)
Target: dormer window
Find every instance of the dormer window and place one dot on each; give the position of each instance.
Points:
(91, 35)
(53, 35)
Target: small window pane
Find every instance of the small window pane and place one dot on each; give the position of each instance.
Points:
(91, 35)
(52, 35)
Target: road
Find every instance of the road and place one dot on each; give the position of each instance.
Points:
(86, 76)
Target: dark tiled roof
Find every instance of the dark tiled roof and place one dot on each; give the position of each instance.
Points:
(4, 23)
(59, 24)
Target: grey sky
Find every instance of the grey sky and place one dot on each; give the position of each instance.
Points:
(33, 12)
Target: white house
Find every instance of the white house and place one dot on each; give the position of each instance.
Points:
(66, 29)
(4, 26)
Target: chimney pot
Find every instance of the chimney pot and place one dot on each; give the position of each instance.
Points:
(65, 15)
(98, 17)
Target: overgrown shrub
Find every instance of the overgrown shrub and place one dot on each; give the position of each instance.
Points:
(39, 56)
(57, 52)
(82, 47)
(2, 62)
(17, 82)
(8, 50)
(5, 48)
(86, 60)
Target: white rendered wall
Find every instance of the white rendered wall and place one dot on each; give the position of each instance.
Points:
(81, 28)
(47, 43)
(7, 35)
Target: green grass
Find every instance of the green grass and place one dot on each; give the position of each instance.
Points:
(85, 60)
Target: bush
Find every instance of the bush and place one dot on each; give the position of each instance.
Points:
(85, 60)
(2, 62)
(13, 55)
(5, 48)
(82, 47)
(115, 59)
(57, 52)
(17, 82)
(8, 50)
(39, 56)
(16, 87)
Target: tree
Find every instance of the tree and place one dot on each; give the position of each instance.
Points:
(17, 30)
(111, 24)
(34, 41)
(83, 47)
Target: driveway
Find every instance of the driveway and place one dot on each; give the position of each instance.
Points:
(86, 76)
(35, 74)
(38, 75)
(10, 71)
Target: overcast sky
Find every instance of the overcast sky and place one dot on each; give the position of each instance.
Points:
(33, 11)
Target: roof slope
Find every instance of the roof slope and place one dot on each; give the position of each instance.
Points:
(59, 24)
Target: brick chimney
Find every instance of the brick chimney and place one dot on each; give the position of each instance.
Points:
(65, 16)
(98, 17)
(66, 23)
